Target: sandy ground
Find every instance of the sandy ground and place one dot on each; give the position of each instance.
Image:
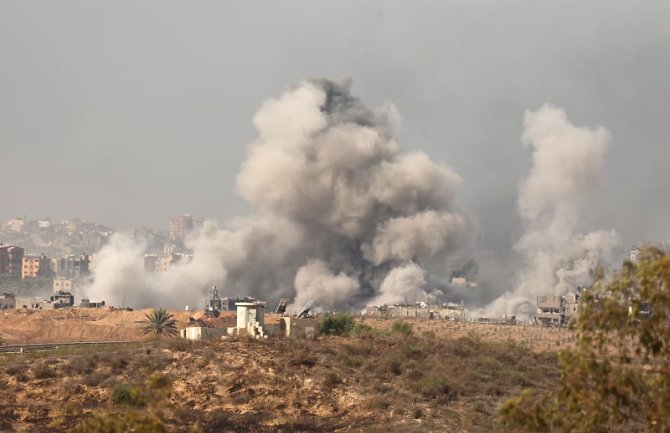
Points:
(86, 324)
(106, 324)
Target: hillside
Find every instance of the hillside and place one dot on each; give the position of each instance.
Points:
(378, 381)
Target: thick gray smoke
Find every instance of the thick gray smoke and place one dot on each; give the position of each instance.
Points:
(568, 164)
(344, 217)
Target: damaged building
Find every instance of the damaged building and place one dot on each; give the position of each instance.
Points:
(557, 310)
(58, 300)
(446, 311)
(87, 303)
(7, 301)
(250, 322)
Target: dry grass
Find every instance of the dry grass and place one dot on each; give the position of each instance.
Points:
(422, 380)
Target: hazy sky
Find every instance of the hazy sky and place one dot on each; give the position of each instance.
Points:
(130, 113)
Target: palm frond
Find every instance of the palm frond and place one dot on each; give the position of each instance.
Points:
(160, 323)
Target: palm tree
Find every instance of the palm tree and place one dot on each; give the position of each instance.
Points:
(160, 323)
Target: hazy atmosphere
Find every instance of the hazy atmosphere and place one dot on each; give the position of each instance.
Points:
(351, 216)
(130, 113)
(346, 154)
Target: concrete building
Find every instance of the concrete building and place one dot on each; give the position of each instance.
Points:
(569, 307)
(250, 320)
(34, 303)
(35, 266)
(7, 301)
(57, 300)
(181, 226)
(71, 266)
(63, 284)
(150, 262)
(548, 310)
(86, 303)
(298, 327)
(11, 260)
(557, 310)
(16, 225)
(62, 299)
(229, 304)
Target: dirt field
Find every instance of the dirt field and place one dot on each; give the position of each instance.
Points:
(85, 324)
(438, 377)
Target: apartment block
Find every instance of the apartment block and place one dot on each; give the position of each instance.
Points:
(11, 260)
(162, 264)
(35, 266)
(71, 266)
(181, 226)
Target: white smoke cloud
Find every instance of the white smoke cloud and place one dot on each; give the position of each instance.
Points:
(343, 215)
(316, 282)
(422, 235)
(119, 276)
(120, 279)
(403, 284)
(568, 164)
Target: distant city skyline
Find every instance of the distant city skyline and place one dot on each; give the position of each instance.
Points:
(103, 119)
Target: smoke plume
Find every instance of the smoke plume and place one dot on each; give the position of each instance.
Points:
(568, 164)
(344, 217)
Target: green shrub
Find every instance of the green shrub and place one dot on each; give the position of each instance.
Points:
(94, 379)
(147, 411)
(44, 372)
(435, 388)
(119, 363)
(158, 381)
(336, 324)
(413, 351)
(16, 369)
(361, 328)
(402, 327)
(79, 365)
(129, 420)
(128, 395)
(332, 379)
(465, 346)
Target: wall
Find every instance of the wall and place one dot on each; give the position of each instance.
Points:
(199, 332)
(298, 327)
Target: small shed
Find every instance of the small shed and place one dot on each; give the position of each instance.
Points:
(298, 327)
(250, 313)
